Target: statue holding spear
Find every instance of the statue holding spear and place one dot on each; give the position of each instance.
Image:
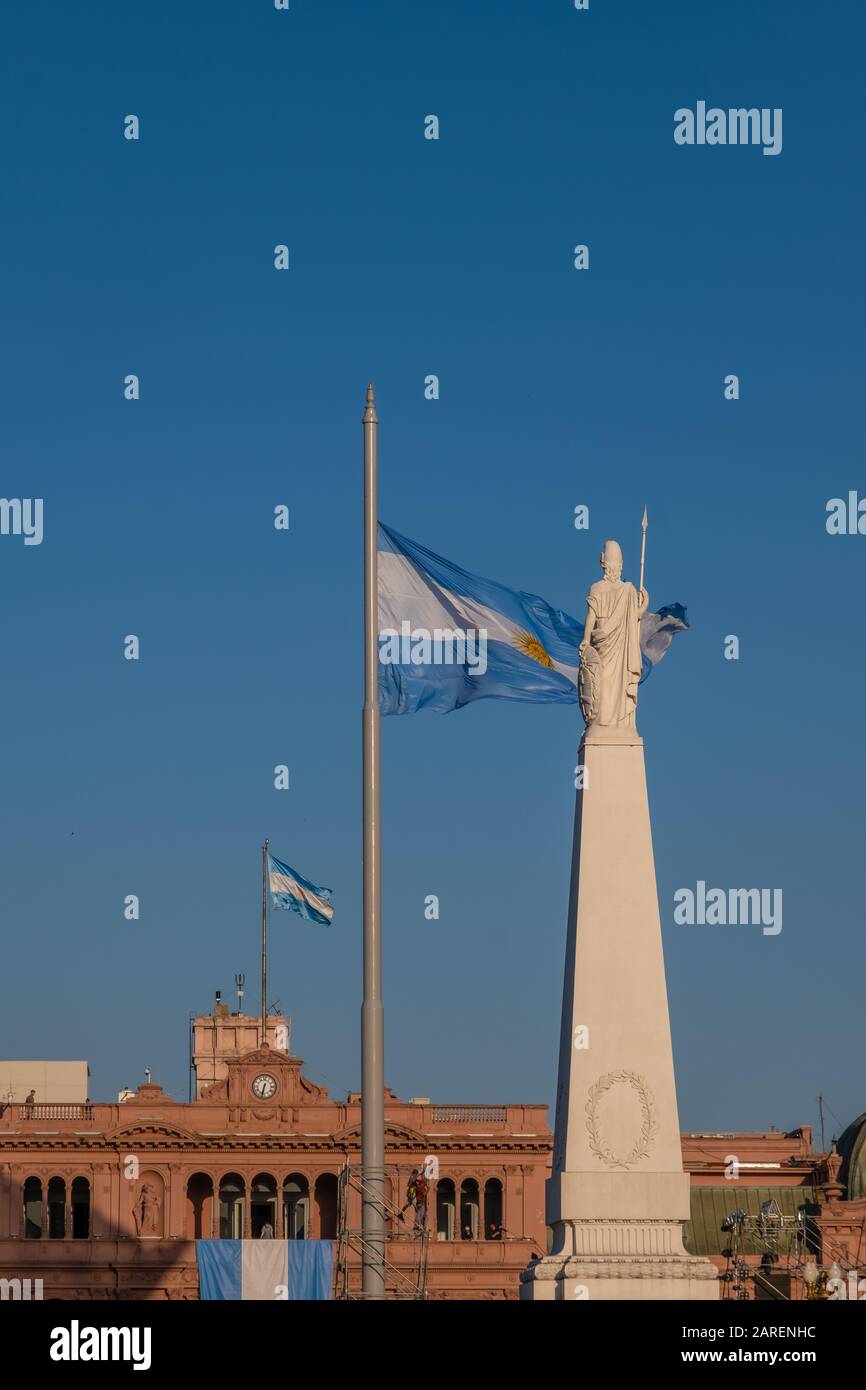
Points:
(610, 654)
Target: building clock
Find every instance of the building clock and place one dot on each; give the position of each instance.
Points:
(264, 1086)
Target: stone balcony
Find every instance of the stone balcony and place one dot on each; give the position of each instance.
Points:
(56, 1111)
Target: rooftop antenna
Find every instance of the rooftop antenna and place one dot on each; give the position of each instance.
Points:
(147, 1076)
(239, 986)
(821, 1117)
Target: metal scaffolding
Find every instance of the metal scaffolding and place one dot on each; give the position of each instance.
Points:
(772, 1251)
(407, 1282)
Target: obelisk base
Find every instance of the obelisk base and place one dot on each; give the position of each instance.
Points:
(583, 1278)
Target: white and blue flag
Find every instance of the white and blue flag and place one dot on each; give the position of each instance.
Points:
(447, 637)
(289, 890)
(265, 1270)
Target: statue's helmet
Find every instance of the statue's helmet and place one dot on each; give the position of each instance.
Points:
(611, 557)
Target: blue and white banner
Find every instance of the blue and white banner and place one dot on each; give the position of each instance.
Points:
(289, 890)
(269, 1270)
(447, 637)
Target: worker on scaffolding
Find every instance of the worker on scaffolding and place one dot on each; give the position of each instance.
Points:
(411, 1196)
(421, 1190)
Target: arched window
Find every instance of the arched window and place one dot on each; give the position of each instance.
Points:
(33, 1209)
(231, 1207)
(80, 1209)
(296, 1206)
(326, 1205)
(199, 1206)
(493, 1209)
(445, 1209)
(263, 1204)
(56, 1209)
(469, 1214)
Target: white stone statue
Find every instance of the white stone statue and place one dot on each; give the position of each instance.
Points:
(610, 655)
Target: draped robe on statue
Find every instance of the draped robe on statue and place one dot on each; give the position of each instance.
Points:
(616, 639)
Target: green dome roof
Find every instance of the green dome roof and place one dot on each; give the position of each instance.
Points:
(852, 1147)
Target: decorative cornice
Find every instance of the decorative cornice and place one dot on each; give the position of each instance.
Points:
(642, 1267)
(142, 1132)
(169, 1138)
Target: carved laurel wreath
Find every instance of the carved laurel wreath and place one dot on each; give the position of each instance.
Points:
(648, 1113)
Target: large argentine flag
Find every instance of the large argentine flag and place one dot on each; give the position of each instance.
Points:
(289, 890)
(531, 648)
(265, 1269)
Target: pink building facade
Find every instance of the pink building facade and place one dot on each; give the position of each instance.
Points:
(778, 1219)
(107, 1200)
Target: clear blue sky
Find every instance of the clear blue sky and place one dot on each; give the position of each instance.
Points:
(411, 257)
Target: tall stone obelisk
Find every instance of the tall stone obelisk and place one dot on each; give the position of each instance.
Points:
(618, 1196)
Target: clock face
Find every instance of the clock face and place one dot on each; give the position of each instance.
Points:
(264, 1086)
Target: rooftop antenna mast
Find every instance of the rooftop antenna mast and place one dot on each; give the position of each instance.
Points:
(239, 986)
(821, 1117)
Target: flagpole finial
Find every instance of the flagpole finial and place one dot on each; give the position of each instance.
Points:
(370, 416)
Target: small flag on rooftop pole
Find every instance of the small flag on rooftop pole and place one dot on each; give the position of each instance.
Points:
(289, 890)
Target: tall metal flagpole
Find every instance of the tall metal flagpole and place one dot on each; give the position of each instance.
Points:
(372, 1013)
(264, 941)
